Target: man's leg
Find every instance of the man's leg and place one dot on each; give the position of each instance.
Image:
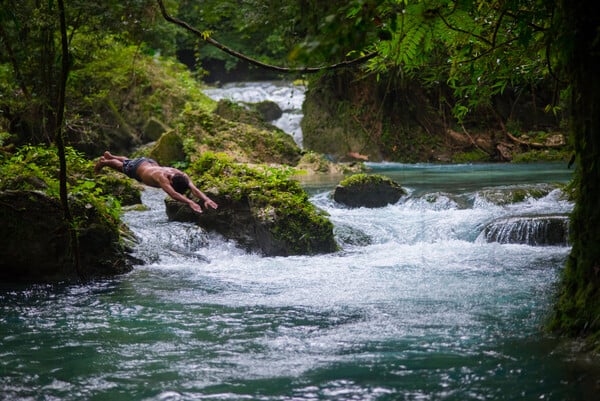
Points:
(109, 156)
(115, 164)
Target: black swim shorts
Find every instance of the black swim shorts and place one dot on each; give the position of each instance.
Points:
(130, 166)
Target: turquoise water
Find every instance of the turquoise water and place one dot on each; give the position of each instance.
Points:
(414, 307)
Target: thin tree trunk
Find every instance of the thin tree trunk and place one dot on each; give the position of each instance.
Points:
(59, 138)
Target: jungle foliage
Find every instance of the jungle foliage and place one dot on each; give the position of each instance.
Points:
(476, 49)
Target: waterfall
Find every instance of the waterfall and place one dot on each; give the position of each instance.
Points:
(535, 230)
(288, 96)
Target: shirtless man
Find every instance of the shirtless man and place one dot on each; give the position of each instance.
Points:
(147, 171)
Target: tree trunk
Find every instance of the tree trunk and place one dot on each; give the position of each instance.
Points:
(578, 309)
(58, 138)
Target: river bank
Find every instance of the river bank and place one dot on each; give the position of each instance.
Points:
(342, 138)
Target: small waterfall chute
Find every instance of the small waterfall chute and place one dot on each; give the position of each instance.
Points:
(530, 230)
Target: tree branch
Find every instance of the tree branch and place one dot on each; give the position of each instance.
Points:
(253, 61)
(453, 28)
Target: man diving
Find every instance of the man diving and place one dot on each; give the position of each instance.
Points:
(147, 171)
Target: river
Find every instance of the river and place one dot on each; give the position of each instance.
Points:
(415, 306)
(287, 95)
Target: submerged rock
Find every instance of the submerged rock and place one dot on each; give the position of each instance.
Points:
(515, 194)
(36, 242)
(368, 190)
(534, 230)
(348, 235)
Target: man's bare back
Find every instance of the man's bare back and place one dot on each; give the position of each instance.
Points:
(173, 181)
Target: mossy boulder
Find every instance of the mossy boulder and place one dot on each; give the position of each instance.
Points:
(153, 129)
(127, 191)
(168, 149)
(314, 163)
(36, 245)
(261, 208)
(269, 110)
(36, 168)
(243, 142)
(35, 236)
(258, 114)
(368, 190)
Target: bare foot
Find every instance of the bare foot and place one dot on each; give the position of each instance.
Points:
(108, 155)
(99, 165)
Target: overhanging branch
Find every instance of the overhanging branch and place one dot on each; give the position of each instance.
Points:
(301, 70)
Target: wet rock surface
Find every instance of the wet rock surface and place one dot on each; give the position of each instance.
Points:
(36, 244)
(372, 191)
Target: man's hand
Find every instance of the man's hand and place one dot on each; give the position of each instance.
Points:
(195, 207)
(210, 203)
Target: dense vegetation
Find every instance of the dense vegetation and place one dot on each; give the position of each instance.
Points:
(449, 70)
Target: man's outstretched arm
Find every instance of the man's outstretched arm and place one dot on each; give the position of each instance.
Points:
(202, 196)
(168, 188)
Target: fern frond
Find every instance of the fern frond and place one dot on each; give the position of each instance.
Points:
(415, 41)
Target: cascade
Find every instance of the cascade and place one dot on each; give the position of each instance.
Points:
(534, 230)
(288, 96)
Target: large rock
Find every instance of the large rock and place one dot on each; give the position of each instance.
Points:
(260, 207)
(269, 110)
(168, 149)
(516, 193)
(153, 129)
(368, 190)
(255, 114)
(263, 229)
(36, 242)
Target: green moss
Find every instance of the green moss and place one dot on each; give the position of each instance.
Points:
(362, 179)
(314, 162)
(506, 196)
(577, 311)
(538, 155)
(346, 113)
(115, 93)
(243, 142)
(276, 199)
(250, 115)
(37, 168)
(473, 156)
(333, 130)
(168, 150)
